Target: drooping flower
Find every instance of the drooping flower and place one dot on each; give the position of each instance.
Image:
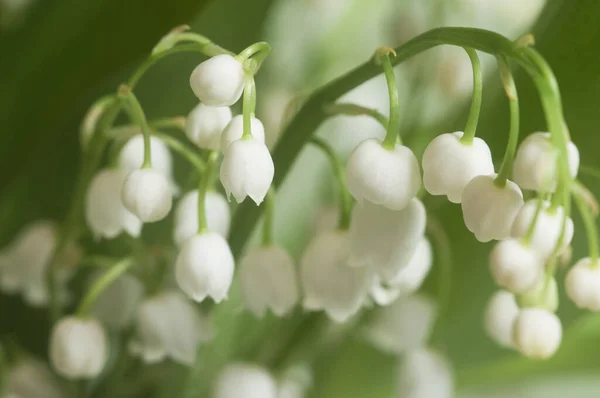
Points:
(218, 216)
(240, 380)
(31, 378)
(105, 213)
(583, 284)
(234, 130)
(448, 164)
(78, 347)
(537, 333)
(268, 281)
(536, 163)
(515, 266)
(389, 178)
(547, 230)
(116, 305)
(404, 325)
(500, 315)
(489, 210)
(247, 170)
(205, 124)
(204, 267)
(329, 283)
(147, 194)
(218, 81)
(386, 239)
(425, 373)
(168, 326)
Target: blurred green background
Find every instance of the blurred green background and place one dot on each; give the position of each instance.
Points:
(57, 56)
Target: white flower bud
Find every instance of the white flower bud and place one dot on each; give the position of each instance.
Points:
(583, 284)
(31, 378)
(247, 170)
(547, 228)
(105, 213)
(515, 266)
(448, 164)
(235, 129)
(424, 373)
(26, 260)
(500, 315)
(410, 278)
(204, 267)
(543, 295)
(268, 280)
(205, 124)
(168, 325)
(329, 283)
(218, 81)
(537, 333)
(386, 239)
(146, 193)
(239, 380)
(131, 157)
(116, 305)
(390, 178)
(218, 216)
(488, 210)
(405, 325)
(78, 347)
(536, 163)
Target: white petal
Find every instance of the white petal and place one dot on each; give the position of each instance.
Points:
(235, 129)
(240, 380)
(538, 333)
(424, 373)
(515, 266)
(186, 216)
(500, 315)
(205, 124)
(147, 194)
(30, 378)
(583, 284)
(218, 81)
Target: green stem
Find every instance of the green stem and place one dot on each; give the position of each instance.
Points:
(203, 187)
(102, 283)
(513, 136)
(74, 217)
(249, 106)
(177, 122)
(268, 224)
(136, 113)
(338, 170)
(473, 119)
(209, 49)
(261, 47)
(393, 127)
(356, 110)
(301, 127)
(185, 152)
(591, 229)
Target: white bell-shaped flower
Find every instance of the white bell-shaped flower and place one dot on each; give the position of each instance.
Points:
(204, 267)
(500, 315)
(424, 373)
(547, 228)
(386, 239)
(268, 280)
(537, 333)
(78, 347)
(247, 170)
(131, 157)
(488, 210)
(405, 325)
(26, 261)
(218, 81)
(218, 216)
(169, 326)
(205, 124)
(235, 129)
(448, 164)
(147, 194)
(329, 283)
(240, 380)
(116, 305)
(515, 266)
(583, 284)
(389, 178)
(105, 213)
(536, 163)
(31, 378)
